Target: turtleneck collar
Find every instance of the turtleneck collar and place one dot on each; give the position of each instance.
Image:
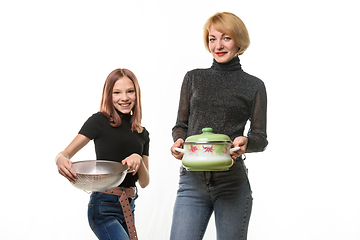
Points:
(232, 65)
(124, 116)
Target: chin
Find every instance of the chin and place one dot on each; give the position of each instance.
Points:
(221, 60)
(123, 111)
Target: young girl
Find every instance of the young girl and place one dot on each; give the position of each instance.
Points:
(118, 136)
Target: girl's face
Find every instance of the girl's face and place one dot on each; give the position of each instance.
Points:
(221, 46)
(124, 95)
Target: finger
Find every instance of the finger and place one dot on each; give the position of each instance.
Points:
(179, 156)
(70, 172)
(135, 167)
(64, 175)
(175, 153)
(67, 174)
(70, 169)
(135, 170)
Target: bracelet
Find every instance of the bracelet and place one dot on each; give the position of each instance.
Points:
(57, 157)
(61, 154)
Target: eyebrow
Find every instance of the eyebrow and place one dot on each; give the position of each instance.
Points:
(117, 89)
(214, 35)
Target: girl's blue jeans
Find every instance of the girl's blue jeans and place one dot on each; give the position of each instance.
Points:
(106, 217)
(226, 193)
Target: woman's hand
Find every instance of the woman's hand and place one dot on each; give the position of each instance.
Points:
(65, 168)
(133, 162)
(178, 144)
(239, 142)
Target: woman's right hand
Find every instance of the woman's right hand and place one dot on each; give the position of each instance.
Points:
(178, 144)
(65, 168)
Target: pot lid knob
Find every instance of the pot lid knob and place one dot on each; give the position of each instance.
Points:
(207, 130)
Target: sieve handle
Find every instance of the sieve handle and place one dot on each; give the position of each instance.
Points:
(129, 170)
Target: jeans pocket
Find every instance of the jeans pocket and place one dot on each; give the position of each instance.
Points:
(110, 209)
(182, 170)
(91, 216)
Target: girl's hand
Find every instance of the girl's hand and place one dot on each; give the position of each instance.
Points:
(178, 144)
(239, 142)
(62, 160)
(65, 168)
(133, 162)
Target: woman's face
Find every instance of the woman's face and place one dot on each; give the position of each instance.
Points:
(221, 46)
(124, 95)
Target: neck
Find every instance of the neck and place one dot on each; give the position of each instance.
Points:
(232, 65)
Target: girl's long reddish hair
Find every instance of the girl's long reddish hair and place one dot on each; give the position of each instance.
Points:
(107, 106)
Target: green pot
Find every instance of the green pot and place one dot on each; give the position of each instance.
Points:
(207, 152)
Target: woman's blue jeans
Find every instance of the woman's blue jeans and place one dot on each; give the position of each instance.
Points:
(226, 193)
(106, 217)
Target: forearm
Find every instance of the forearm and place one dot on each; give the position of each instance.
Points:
(179, 132)
(257, 133)
(256, 142)
(143, 172)
(78, 143)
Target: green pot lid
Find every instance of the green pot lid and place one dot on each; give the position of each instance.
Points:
(208, 136)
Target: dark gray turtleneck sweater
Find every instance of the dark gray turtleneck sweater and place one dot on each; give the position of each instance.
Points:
(223, 97)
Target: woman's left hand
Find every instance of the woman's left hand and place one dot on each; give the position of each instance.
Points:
(239, 142)
(133, 162)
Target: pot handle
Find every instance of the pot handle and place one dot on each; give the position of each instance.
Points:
(234, 149)
(179, 150)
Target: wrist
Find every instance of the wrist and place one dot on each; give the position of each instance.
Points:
(61, 154)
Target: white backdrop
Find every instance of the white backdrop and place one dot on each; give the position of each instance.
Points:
(55, 56)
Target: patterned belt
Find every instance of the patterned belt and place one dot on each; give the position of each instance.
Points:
(125, 205)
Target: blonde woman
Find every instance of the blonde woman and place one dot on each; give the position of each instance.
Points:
(222, 97)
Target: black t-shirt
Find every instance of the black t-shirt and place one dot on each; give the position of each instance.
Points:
(116, 143)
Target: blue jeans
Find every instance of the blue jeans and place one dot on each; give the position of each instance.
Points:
(226, 193)
(106, 217)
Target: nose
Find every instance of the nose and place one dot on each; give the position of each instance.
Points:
(219, 44)
(124, 97)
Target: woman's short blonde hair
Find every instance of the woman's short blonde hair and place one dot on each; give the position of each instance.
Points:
(231, 25)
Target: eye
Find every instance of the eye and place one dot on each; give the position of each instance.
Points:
(227, 38)
(116, 92)
(211, 39)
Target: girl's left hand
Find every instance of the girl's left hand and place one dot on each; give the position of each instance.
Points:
(133, 162)
(239, 142)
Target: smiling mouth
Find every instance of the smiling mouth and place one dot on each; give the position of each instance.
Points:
(220, 53)
(124, 104)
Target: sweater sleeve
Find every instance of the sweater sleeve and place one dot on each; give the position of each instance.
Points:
(257, 133)
(181, 126)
